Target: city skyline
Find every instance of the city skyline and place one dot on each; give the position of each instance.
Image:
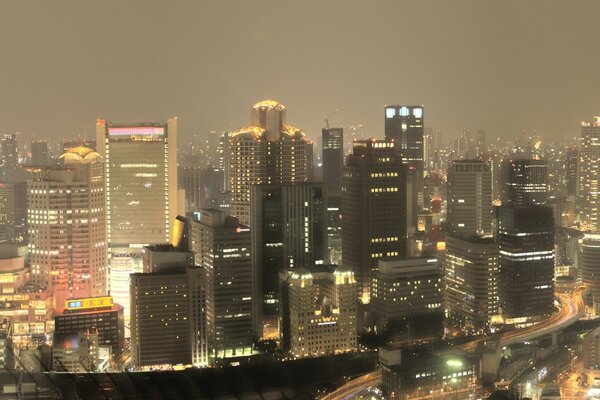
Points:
(465, 67)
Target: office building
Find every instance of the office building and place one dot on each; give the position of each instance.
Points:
(75, 353)
(318, 311)
(222, 247)
(590, 266)
(141, 194)
(39, 153)
(332, 145)
(269, 151)
(288, 232)
(526, 182)
(67, 234)
(526, 246)
(161, 256)
(471, 282)
(404, 127)
(13, 212)
(167, 318)
(374, 209)
(469, 198)
(95, 314)
(589, 180)
(407, 298)
(10, 154)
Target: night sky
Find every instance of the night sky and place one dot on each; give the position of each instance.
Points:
(504, 66)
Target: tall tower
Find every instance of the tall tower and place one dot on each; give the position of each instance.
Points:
(404, 126)
(67, 231)
(268, 151)
(333, 161)
(222, 248)
(526, 182)
(526, 246)
(469, 198)
(589, 171)
(10, 155)
(141, 194)
(373, 209)
(288, 232)
(39, 153)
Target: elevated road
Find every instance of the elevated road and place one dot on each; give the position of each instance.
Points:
(354, 387)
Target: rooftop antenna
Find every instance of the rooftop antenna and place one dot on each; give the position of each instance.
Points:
(326, 117)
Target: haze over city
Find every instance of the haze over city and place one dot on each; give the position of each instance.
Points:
(505, 67)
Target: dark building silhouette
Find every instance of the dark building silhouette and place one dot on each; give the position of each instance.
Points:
(526, 182)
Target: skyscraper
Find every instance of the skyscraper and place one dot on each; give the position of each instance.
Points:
(471, 279)
(141, 194)
(404, 126)
(589, 171)
(39, 153)
(526, 247)
(590, 266)
(10, 155)
(333, 162)
(67, 231)
(13, 212)
(222, 247)
(469, 198)
(288, 231)
(374, 209)
(526, 181)
(268, 151)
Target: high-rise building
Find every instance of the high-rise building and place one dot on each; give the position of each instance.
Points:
(471, 281)
(374, 209)
(469, 198)
(161, 256)
(526, 182)
(168, 315)
(572, 164)
(407, 297)
(590, 266)
(222, 247)
(318, 311)
(13, 212)
(10, 154)
(589, 176)
(288, 232)
(404, 126)
(333, 161)
(526, 246)
(269, 151)
(39, 153)
(67, 231)
(141, 194)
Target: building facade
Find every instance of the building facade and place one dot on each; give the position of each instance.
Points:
(589, 264)
(589, 176)
(333, 161)
(526, 182)
(269, 151)
(469, 198)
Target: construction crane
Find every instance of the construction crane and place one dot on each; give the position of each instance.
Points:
(326, 117)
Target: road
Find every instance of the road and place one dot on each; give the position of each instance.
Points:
(572, 308)
(354, 387)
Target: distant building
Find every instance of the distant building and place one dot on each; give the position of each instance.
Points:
(526, 182)
(374, 209)
(471, 281)
(589, 170)
(67, 231)
(318, 311)
(333, 161)
(407, 297)
(526, 246)
(167, 318)
(269, 151)
(97, 314)
(75, 353)
(39, 153)
(10, 151)
(13, 212)
(288, 231)
(469, 198)
(222, 247)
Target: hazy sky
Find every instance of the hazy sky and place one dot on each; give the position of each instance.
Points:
(505, 66)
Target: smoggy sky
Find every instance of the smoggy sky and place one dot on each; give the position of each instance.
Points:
(504, 66)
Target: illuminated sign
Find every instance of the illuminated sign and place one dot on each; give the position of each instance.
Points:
(88, 302)
(137, 131)
(390, 112)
